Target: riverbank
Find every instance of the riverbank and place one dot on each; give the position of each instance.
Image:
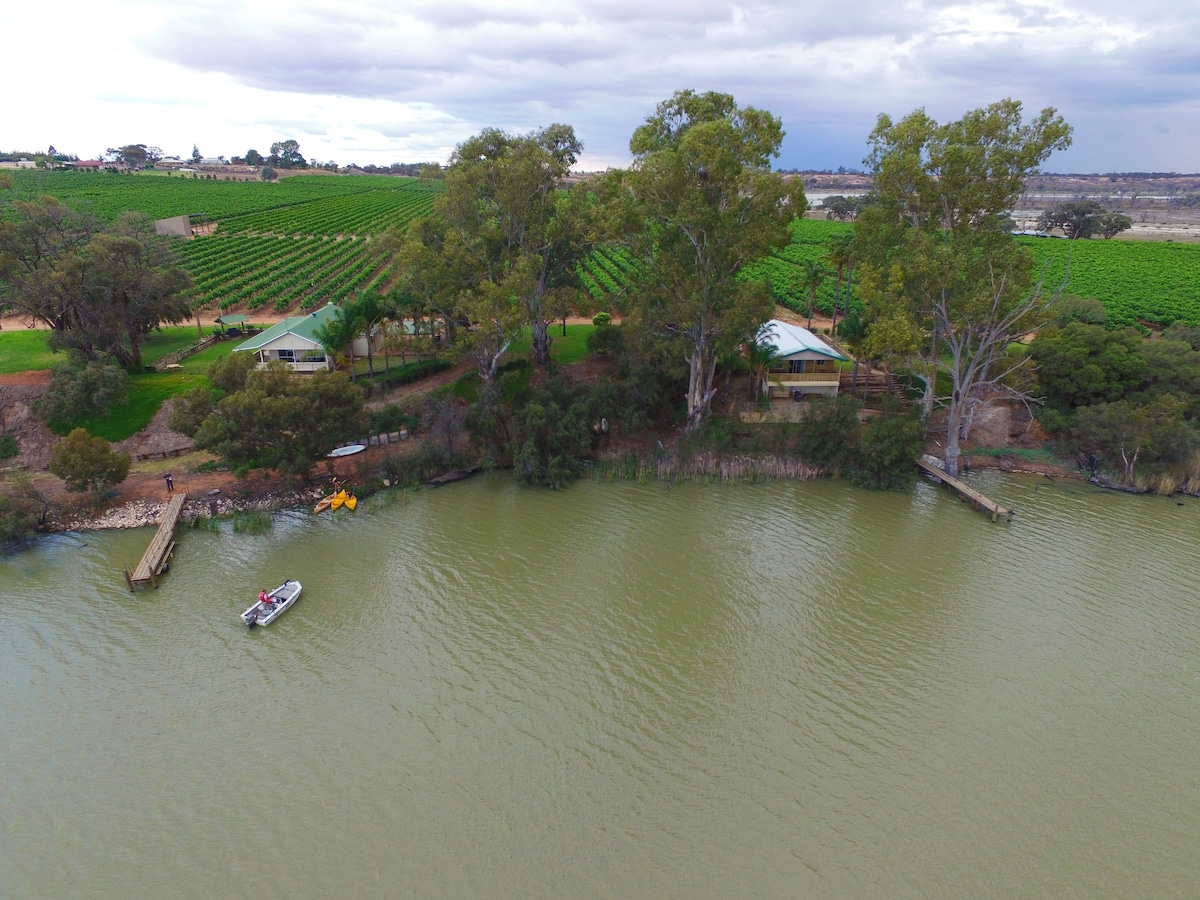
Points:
(221, 494)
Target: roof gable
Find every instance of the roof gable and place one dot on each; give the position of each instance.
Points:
(301, 326)
(790, 340)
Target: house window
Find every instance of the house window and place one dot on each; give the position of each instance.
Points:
(287, 356)
(796, 366)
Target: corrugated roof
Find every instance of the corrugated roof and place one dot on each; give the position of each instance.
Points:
(791, 339)
(301, 326)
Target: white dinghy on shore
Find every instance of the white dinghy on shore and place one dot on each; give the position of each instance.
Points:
(264, 612)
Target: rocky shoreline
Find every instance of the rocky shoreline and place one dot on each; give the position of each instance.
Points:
(149, 513)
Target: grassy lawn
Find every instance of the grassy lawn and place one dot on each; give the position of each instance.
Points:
(171, 338)
(564, 349)
(198, 364)
(21, 351)
(146, 394)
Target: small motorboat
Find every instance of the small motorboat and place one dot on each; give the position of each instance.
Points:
(264, 612)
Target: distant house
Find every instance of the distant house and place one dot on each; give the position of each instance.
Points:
(93, 164)
(805, 364)
(294, 342)
(179, 226)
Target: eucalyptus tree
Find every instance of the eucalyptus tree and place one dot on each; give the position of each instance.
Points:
(841, 256)
(702, 203)
(1085, 218)
(812, 274)
(944, 278)
(506, 240)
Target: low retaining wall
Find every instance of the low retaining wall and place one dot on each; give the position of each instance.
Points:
(379, 440)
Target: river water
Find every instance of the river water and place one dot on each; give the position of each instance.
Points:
(797, 689)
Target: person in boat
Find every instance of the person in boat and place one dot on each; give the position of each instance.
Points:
(262, 598)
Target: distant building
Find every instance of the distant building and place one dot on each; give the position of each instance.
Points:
(178, 226)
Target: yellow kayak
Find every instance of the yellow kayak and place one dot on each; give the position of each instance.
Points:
(351, 502)
(337, 499)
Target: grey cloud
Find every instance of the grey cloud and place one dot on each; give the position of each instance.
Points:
(825, 69)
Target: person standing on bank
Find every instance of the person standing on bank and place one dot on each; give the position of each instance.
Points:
(170, 482)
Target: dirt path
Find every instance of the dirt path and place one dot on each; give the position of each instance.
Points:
(32, 377)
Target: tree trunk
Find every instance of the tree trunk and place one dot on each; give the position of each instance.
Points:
(702, 365)
(952, 448)
(541, 342)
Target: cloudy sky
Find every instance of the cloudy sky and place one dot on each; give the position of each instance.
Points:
(405, 80)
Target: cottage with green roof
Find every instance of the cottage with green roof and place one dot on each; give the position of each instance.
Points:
(293, 342)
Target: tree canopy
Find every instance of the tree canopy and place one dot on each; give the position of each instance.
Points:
(280, 421)
(942, 276)
(505, 239)
(87, 463)
(100, 290)
(700, 203)
(1085, 219)
(286, 155)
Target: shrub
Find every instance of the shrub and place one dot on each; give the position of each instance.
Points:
(8, 447)
(602, 318)
(887, 449)
(391, 418)
(18, 519)
(829, 432)
(605, 339)
(189, 410)
(76, 393)
(87, 463)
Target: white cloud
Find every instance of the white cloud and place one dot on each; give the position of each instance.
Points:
(390, 80)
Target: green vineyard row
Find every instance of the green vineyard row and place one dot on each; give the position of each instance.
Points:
(304, 240)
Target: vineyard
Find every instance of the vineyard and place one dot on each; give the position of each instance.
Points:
(306, 240)
(305, 254)
(608, 271)
(299, 242)
(107, 196)
(1153, 282)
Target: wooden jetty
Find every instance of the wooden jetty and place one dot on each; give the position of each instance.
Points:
(161, 547)
(967, 493)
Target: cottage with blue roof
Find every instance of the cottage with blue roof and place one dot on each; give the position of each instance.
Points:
(805, 364)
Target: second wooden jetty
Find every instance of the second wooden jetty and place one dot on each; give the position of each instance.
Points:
(967, 493)
(157, 555)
